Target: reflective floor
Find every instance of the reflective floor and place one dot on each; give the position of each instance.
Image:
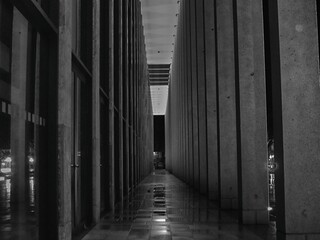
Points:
(17, 221)
(163, 207)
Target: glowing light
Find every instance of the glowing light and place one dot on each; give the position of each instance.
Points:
(159, 96)
(6, 170)
(160, 220)
(31, 160)
(8, 160)
(270, 208)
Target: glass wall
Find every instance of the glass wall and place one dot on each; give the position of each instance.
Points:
(23, 116)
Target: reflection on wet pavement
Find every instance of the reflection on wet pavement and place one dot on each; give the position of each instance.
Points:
(15, 221)
(163, 207)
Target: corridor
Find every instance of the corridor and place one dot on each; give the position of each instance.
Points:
(163, 207)
(221, 97)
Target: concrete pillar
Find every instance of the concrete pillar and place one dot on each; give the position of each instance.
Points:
(189, 92)
(131, 77)
(96, 111)
(202, 95)
(18, 123)
(185, 90)
(111, 104)
(135, 79)
(120, 93)
(186, 156)
(253, 175)
(179, 167)
(296, 94)
(194, 95)
(64, 121)
(227, 105)
(126, 92)
(211, 99)
(181, 93)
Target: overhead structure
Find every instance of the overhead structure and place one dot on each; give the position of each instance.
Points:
(159, 19)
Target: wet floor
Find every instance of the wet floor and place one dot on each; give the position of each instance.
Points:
(162, 207)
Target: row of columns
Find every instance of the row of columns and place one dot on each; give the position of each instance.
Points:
(127, 68)
(226, 53)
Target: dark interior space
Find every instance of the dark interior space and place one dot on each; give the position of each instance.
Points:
(159, 137)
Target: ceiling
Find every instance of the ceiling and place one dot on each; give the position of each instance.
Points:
(159, 19)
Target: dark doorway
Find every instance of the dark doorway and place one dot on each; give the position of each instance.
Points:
(159, 142)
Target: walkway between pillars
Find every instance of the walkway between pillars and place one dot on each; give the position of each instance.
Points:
(163, 207)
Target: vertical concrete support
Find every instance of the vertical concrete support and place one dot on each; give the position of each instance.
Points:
(17, 121)
(182, 93)
(126, 92)
(135, 79)
(253, 176)
(202, 95)
(111, 104)
(131, 82)
(96, 111)
(185, 90)
(120, 74)
(194, 87)
(211, 99)
(227, 105)
(189, 91)
(296, 97)
(179, 167)
(64, 121)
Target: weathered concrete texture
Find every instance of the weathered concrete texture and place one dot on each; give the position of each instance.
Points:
(64, 121)
(111, 105)
(194, 87)
(96, 112)
(211, 99)
(202, 101)
(227, 105)
(119, 94)
(18, 124)
(299, 165)
(252, 97)
(189, 94)
(183, 91)
(126, 93)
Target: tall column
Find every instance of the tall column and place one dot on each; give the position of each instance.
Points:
(96, 111)
(194, 94)
(111, 105)
(126, 92)
(202, 95)
(64, 121)
(189, 92)
(253, 175)
(227, 105)
(211, 99)
(296, 94)
(120, 112)
(131, 82)
(18, 122)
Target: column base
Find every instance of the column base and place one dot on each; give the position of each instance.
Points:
(298, 236)
(255, 217)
